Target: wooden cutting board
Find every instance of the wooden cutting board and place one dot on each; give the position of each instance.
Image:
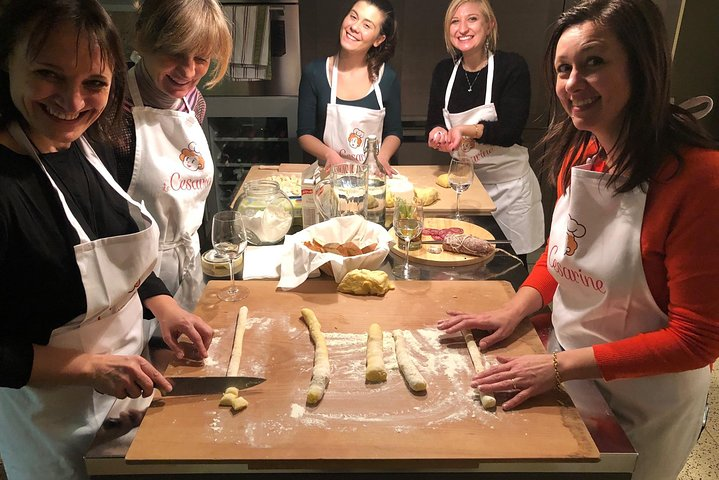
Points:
(475, 201)
(427, 256)
(356, 423)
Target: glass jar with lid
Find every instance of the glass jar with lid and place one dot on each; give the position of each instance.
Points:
(266, 211)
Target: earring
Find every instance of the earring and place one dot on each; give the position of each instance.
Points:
(486, 46)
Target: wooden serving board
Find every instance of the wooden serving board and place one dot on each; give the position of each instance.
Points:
(475, 201)
(356, 423)
(448, 259)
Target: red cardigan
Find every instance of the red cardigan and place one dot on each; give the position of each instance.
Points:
(680, 256)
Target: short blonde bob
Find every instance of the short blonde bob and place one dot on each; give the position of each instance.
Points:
(488, 17)
(186, 27)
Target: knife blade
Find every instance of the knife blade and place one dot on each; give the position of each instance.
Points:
(208, 385)
(493, 242)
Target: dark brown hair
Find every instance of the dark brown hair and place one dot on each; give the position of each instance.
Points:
(36, 20)
(653, 128)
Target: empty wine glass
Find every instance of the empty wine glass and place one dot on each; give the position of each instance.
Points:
(407, 222)
(230, 240)
(461, 173)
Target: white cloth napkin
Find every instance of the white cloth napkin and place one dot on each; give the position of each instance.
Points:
(299, 261)
(262, 262)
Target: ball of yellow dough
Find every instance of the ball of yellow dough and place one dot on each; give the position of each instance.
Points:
(443, 180)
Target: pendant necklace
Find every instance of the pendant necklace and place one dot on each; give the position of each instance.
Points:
(476, 76)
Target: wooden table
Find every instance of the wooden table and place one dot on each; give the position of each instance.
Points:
(357, 425)
(475, 201)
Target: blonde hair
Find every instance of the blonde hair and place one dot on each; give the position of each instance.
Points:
(186, 26)
(488, 17)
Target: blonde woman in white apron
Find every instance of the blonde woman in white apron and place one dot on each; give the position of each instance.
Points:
(634, 304)
(76, 249)
(170, 168)
(501, 164)
(341, 99)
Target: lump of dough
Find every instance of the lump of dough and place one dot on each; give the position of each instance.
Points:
(227, 399)
(365, 282)
(426, 195)
(233, 391)
(443, 180)
(239, 403)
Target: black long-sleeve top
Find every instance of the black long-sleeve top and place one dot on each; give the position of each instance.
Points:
(41, 288)
(511, 92)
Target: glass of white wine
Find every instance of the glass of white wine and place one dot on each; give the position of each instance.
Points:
(461, 173)
(229, 238)
(407, 222)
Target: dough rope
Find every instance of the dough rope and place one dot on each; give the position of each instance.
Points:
(236, 354)
(376, 371)
(321, 369)
(488, 401)
(409, 370)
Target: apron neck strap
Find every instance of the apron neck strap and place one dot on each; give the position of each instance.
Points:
(333, 84)
(487, 91)
(19, 135)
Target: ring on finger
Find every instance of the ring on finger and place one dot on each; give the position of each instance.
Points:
(514, 384)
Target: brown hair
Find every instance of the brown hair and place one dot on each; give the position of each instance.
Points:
(36, 20)
(488, 17)
(186, 26)
(653, 128)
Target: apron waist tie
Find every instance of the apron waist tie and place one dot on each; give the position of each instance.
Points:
(185, 243)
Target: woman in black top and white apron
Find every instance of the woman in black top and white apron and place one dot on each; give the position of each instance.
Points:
(471, 35)
(366, 42)
(70, 347)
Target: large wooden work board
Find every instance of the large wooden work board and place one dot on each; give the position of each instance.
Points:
(357, 424)
(474, 201)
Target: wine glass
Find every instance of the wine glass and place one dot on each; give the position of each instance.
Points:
(461, 173)
(230, 240)
(407, 221)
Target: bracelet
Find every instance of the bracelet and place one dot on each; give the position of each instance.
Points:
(476, 130)
(557, 376)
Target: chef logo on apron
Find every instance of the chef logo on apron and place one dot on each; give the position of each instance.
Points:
(191, 158)
(355, 138)
(575, 230)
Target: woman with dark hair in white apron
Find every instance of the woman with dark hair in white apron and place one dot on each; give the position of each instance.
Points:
(632, 262)
(484, 94)
(347, 97)
(76, 250)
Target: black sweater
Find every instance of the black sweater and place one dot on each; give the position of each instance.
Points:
(510, 94)
(41, 288)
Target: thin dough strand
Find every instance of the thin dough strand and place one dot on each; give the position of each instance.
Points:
(488, 401)
(375, 355)
(236, 355)
(321, 369)
(409, 370)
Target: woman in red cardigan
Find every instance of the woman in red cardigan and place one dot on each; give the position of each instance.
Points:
(632, 262)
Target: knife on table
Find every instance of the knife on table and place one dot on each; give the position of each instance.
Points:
(208, 385)
(493, 242)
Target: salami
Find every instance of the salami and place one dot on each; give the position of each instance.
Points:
(467, 244)
(440, 233)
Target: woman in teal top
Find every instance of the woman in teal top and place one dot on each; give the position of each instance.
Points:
(347, 97)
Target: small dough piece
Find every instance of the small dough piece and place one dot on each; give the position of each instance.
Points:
(233, 391)
(443, 180)
(426, 195)
(414, 378)
(488, 401)
(227, 399)
(365, 282)
(239, 403)
(375, 355)
(388, 199)
(237, 343)
(321, 369)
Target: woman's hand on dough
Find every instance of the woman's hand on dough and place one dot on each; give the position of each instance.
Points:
(499, 323)
(175, 321)
(528, 376)
(125, 376)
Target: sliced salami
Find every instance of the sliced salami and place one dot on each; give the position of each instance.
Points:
(441, 233)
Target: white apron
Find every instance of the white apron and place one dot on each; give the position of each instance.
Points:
(172, 176)
(594, 253)
(47, 430)
(504, 172)
(347, 127)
